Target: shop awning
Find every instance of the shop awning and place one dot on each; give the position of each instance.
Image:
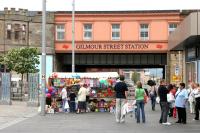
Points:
(186, 33)
(86, 75)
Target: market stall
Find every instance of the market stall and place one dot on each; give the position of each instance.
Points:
(101, 84)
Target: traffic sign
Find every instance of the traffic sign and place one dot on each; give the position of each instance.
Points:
(176, 70)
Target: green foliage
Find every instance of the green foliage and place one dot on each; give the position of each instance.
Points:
(135, 77)
(23, 60)
(1, 59)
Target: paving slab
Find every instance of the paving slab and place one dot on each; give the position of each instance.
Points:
(100, 123)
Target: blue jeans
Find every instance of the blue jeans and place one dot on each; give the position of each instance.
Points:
(140, 106)
(63, 105)
(72, 106)
(153, 102)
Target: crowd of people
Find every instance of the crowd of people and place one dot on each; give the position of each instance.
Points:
(172, 99)
(69, 100)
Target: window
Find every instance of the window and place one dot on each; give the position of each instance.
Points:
(60, 32)
(23, 32)
(87, 32)
(115, 31)
(17, 35)
(172, 27)
(9, 28)
(17, 32)
(144, 32)
(23, 27)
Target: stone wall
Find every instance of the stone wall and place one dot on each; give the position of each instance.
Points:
(31, 36)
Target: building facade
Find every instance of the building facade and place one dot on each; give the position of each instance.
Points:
(111, 40)
(104, 40)
(186, 39)
(23, 28)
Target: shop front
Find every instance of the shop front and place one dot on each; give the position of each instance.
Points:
(186, 38)
(192, 64)
(100, 87)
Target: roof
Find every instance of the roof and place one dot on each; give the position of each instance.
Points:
(184, 12)
(113, 12)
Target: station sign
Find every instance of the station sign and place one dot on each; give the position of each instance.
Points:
(113, 47)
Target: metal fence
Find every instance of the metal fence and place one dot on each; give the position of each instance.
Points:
(33, 89)
(5, 82)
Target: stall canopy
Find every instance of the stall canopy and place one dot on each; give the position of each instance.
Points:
(86, 75)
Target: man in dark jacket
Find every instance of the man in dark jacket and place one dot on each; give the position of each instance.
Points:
(162, 92)
(121, 95)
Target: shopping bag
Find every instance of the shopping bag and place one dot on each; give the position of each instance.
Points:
(174, 112)
(170, 97)
(145, 99)
(157, 99)
(125, 109)
(39, 109)
(66, 105)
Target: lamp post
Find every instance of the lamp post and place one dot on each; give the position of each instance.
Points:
(43, 101)
(73, 36)
(4, 40)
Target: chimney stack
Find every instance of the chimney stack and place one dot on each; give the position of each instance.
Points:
(26, 12)
(5, 10)
(21, 11)
(12, 11)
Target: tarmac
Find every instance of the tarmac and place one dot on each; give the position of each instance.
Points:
(15, 113)
(26, 120)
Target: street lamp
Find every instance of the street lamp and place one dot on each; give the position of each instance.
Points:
(73, 36)
(43, 97)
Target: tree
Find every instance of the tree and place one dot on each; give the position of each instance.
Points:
(135, 77)
(1, 62)
(1, 59)
(22, 61)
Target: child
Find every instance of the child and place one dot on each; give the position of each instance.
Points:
(72, 97)
(54, 105)
(112, 106)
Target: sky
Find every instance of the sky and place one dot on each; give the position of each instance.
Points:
(101, 5)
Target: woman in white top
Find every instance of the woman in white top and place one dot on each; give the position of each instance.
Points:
(64, 98)
(191, 98)
(82, 93)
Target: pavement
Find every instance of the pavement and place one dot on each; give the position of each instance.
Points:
(15, 113)
(100, 123)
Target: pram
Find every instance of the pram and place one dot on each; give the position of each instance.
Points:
(130, 108)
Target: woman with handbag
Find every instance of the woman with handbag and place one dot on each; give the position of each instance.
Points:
(171, 98)
(65, 105)
(180, 103)
(153, 95)
(140, 101)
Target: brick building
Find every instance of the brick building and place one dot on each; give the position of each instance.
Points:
(105, 40)
(112, 40)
